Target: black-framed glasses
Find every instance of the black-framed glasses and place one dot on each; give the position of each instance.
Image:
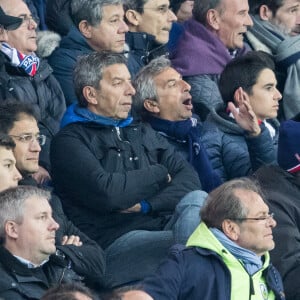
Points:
(29, 138)
(262, 218)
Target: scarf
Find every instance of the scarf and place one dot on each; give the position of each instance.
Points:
(250, 260)
(28, 63)
(76, 114)
(188, 132)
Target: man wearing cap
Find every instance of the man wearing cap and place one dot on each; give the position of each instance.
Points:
(281, 186)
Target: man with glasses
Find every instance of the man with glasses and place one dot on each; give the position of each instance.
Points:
(19, 121)
(227, 255)
(28, 78)
(149, 23)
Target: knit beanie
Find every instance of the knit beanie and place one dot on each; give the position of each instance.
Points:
(289, 146)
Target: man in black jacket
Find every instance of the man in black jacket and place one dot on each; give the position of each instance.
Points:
(20, 122)
(121, 182)
(281, 186)
(29, 261)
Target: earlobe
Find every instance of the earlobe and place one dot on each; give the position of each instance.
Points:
(152, 106)
(11, 229)
(132, 17)
(265, 13)
(85, 28)
(213, 19)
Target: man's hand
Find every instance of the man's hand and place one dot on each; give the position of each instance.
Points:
(41, 176)
(132, 209)
(71, 240)
(244, 116)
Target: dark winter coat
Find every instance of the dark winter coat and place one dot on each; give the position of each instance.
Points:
(100, 170)
(42, 91)
(282, 192)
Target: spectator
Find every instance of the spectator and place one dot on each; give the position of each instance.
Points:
(119, 180)
(9, 175)
(8, 23)
(19, 121)
(182, 9)
(70, 291)
(275, 22)
(163, 99)
(149, 23)
(237, 135)
(227, 255)
(281, 185)
(58, 16)
(29, 79)
(211, 39)
(29, 263)
(99, 25)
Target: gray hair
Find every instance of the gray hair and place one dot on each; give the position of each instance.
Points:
(12, 204)
(223, 203)
(145, 86)
(90, 10)
(201, 7)
(89, 71)
(137, 5)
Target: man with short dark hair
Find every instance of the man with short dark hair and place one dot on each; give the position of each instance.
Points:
(149, 23)
(227, 255)
(99, 25)
(19, 121)
(276, 31)
(123, 184)
(210, 40)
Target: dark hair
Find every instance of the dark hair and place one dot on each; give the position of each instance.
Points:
(273, 5)
(201, 8)
(7, 142)
(11, 111)
(89, 70)
(175, 5)
(243, 72)
(223, 203)
(67, 292)
(137, 5)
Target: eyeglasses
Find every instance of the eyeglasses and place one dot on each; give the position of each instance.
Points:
(29, 138)
(27, 20)
(264, 218)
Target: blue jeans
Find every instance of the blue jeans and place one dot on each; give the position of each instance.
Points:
(138, 253)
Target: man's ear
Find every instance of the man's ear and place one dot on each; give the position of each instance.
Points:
(213, 19)
(152, 106)
(132, 17)
(265, 13)
(11, 229)
(85, 28)
(89, 94)
(238, 100)
(231, 229)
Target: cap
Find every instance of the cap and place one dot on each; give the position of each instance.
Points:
(9, 22)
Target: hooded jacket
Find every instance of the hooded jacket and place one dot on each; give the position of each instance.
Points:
(201, 271)
(100, 169)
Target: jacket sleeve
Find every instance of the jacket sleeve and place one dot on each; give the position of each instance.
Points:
(79, 174)
(261, 149)
(184, 179)
(87, 260)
